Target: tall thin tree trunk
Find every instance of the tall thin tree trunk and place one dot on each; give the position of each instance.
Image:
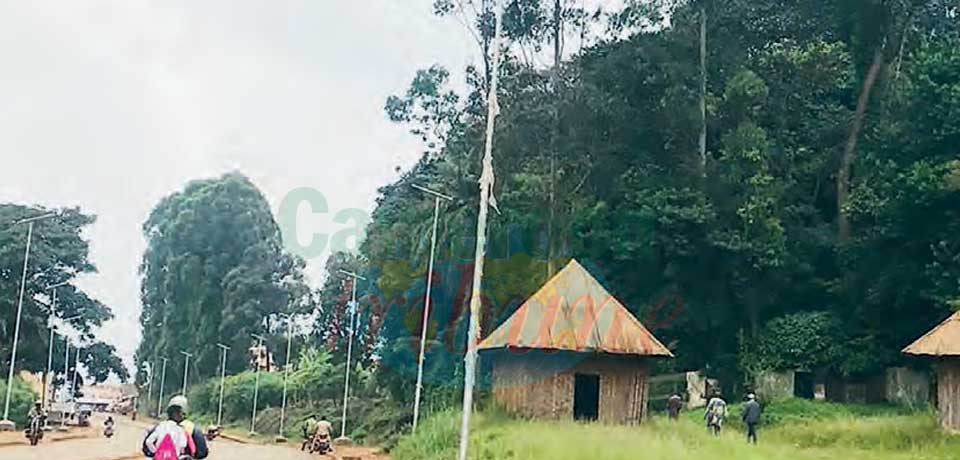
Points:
(557, 50)
(703, 92)
(850, 148)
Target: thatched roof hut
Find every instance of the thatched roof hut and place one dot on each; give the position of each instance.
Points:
(573, 351)
(943, 344)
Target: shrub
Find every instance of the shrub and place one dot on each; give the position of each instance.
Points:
(22, 398)
(239, 392)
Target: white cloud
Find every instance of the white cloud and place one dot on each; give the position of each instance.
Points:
(112, 104)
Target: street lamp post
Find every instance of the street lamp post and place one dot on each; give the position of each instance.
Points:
(46, 376)
(151, 370)
(6, 424)
(186, 370)
(66, 360)
(223, 379)
(426, 300)
(76, 370)
(286, 374)
(66, 375)
(53, 336)
(256, 386)
(346, 378)
(163, 377)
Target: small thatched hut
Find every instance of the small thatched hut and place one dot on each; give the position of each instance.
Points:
(572, 351)
(943, 344)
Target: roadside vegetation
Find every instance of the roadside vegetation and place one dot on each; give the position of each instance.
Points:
(21, 400)
(794, 430)
(314, 387)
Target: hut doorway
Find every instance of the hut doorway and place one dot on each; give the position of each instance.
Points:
(586, 397)
(804, 385)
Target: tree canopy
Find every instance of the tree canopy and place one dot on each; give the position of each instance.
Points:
(59, 253)
(828, 197)
(215, 271)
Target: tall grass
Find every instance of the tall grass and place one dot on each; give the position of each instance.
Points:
(884, 435)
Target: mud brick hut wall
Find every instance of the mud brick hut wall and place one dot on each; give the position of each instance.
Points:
(948, 393)
(540, 387)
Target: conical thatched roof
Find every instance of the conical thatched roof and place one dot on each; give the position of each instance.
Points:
(943, 340)
(573, 312)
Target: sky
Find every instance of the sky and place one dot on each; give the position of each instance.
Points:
(111, 105)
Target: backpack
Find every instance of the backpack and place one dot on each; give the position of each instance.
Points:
(166, 450)
(174, 440)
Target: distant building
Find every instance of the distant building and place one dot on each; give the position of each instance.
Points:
(573, 351)
(93, 404)
(943, 344)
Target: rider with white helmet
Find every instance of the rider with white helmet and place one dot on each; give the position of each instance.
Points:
(184, 435)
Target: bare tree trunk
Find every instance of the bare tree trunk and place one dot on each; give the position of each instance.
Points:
(850, 148)
(487, 71)
(703, 93)
(557, 33)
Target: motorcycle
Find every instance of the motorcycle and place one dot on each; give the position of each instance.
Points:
(213, 432)
(35, 431)
(108, 431)
(321, 444)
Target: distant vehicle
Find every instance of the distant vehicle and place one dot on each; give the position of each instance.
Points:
(83, 418)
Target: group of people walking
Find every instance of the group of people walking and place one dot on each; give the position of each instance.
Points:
(716, 413)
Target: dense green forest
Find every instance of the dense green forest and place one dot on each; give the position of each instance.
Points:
(814, 227)
(765, 184)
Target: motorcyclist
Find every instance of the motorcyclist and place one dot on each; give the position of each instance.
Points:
(108, 426)
(323, 433)
(37, 412)
(186, 437)
(309, 430)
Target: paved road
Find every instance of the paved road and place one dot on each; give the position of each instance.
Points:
(126, 443)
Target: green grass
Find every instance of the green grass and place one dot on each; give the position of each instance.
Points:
(827, 432)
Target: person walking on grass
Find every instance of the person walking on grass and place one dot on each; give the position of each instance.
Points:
(751, 417)
(715, 414)
(674, 404)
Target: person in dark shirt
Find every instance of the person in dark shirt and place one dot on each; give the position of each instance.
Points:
(674, 405)
(751, 417)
